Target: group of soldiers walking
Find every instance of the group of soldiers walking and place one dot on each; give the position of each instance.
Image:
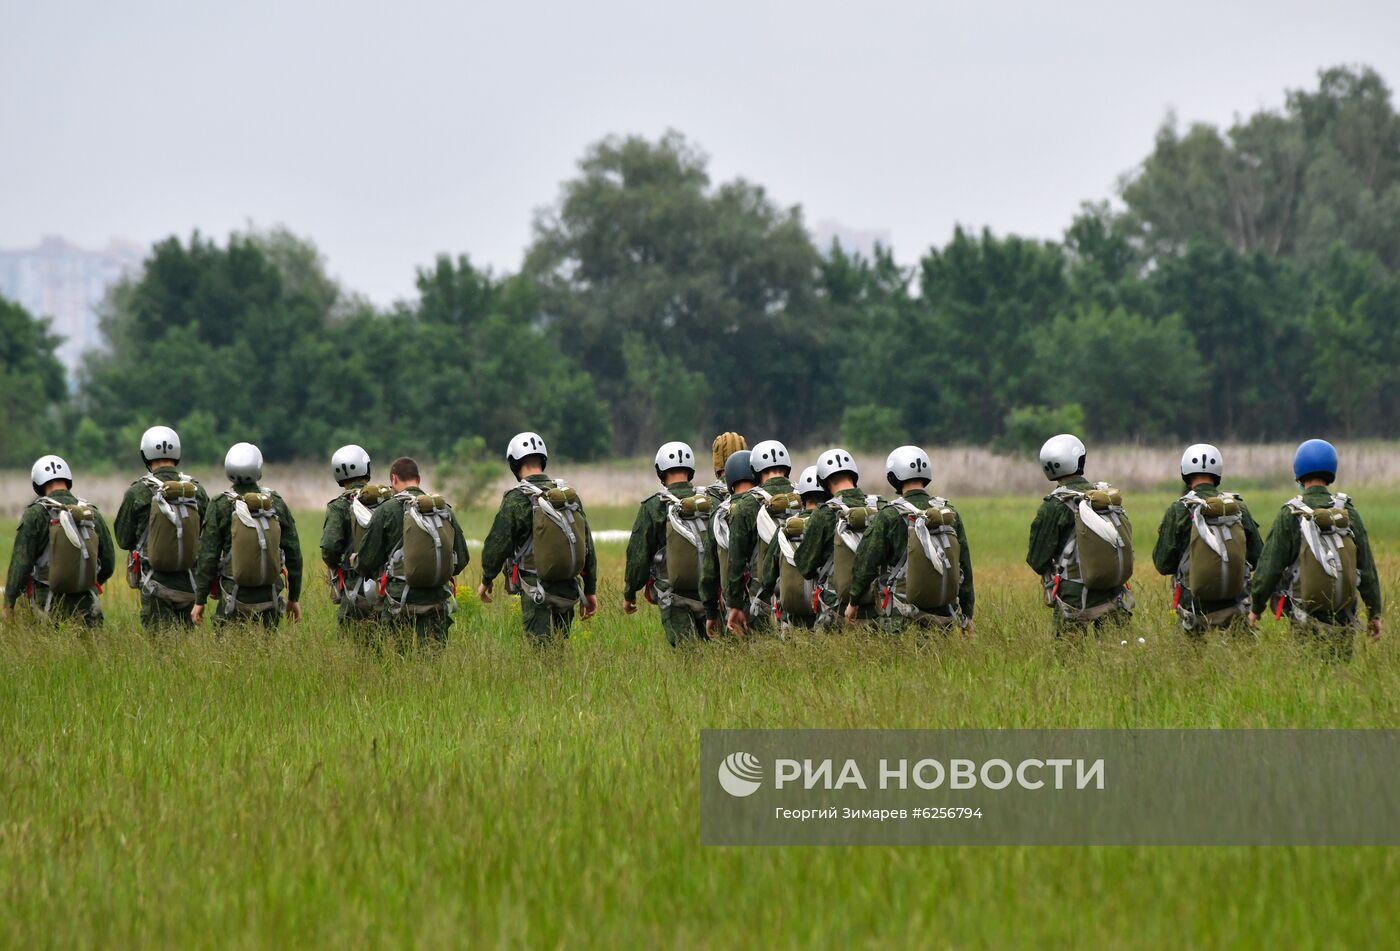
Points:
(751, 552)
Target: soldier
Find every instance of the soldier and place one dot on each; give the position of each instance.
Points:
(914, 552)
(1317, 559)
(541, 510)
(63, 550)
(748, 540)
(779, 574)
(249, 540)
(667, 548)
(739, 478)
(412, 550)
(1210, 543)
(347, 517)
(1081, 543)
(724, 446)
(841, 520)
(159, 525)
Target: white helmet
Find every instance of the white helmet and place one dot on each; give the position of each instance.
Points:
(770, 454)
(1203, 458)
(46, 470)
(675, 455)
(160, 442)
(525, 444)
(1061, 456)
(905, 463)
(243, 462)
(809, 482)
(350, 462)
(836, 460)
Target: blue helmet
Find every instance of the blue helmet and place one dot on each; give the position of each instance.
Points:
(1315, 457)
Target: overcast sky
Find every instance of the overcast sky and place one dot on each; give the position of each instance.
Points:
(390, 131)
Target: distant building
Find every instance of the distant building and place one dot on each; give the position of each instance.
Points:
(64, 282)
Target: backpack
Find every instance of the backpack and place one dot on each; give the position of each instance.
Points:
(557, 549)
(926, 579)
(426, 556)
(851, 522)
(680, 561)
(255, 547)
(69, 564)
(1324, 579)
(171, 543)
(796, 595)
(1214, 566)
(1099, 553)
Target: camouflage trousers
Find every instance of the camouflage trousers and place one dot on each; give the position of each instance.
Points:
(544, 623)
(157, 613)
(64, 608)
(427, 629)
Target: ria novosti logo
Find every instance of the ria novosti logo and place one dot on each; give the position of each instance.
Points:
(740, 774)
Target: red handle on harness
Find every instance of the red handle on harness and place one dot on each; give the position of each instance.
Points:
(649, 592)
(885, 601)
(1055, 591)
(816, 601)
(514, 576)
(136, 562)
(1176, 599)
(1278, 613)
(383, 584)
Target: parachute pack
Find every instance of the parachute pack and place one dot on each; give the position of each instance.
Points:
(254, 558)
(797, 597)
(1099, 552)
(1324, 580)
(69, 563)
(426, 557)
(1214, 565)
(773, 512)
(925, 581)
(171, 542)
(557, 549)
(851, 522)
(687, 525)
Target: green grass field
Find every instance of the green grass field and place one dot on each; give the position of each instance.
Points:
(292, 789)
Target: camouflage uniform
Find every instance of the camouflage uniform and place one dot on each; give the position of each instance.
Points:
(1051, 530)
(770, 575)
(31, 541)
(885, 543)
(741, 583)
(509, 533)
(133, 518)
(679, 620)
(819, 546)
(1280, 553)
(214, 542)
(1173, 541)
(428, 610)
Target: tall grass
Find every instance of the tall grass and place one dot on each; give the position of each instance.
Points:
(256, 789)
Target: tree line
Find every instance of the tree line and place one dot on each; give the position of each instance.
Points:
(1245, 286)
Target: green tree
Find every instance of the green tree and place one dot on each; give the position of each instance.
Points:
(32, 387)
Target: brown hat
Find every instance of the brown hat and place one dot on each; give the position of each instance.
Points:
(726, 444)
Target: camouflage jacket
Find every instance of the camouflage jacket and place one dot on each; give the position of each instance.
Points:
(1174, 538)
(743, 540)
(336, 532)
(32, 539)
(217, 536)
(819, 537)
(1281, 550)
(383, 537)
(649, 538)
(1050, 532)
(511, 530)
(134, 517)
(886, 542)
(710, 581)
